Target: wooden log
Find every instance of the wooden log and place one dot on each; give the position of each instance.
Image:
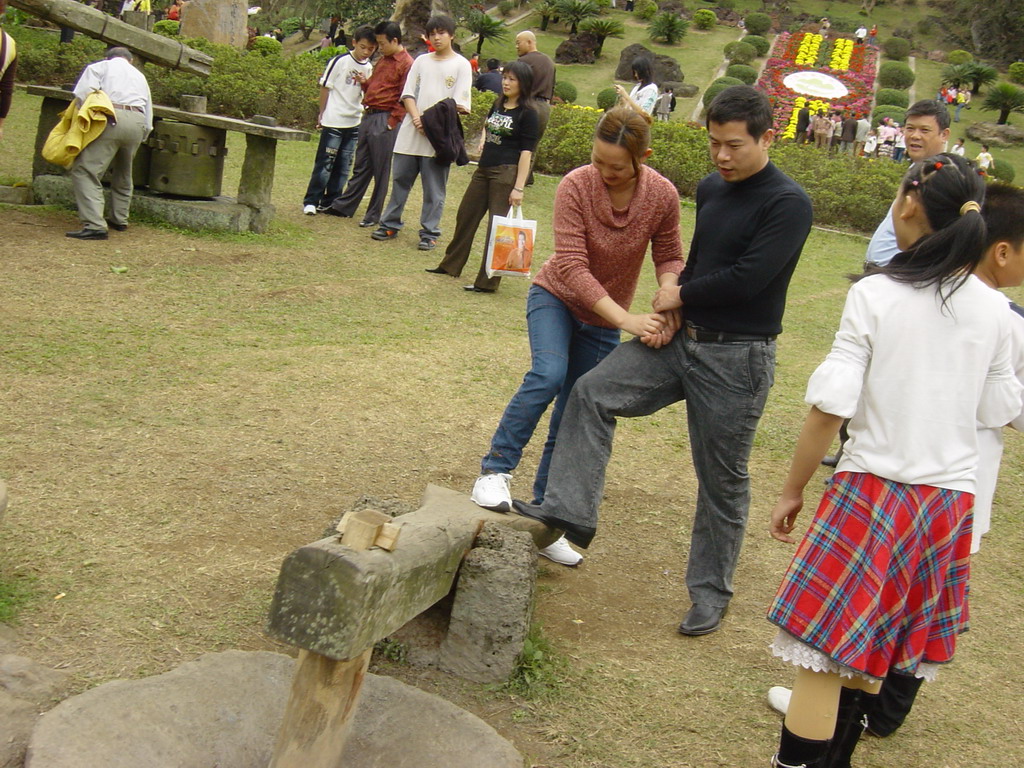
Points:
(325, 692)
(94, 23)
(337, 601)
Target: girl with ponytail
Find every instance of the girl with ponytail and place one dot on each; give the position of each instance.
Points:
(921, 358)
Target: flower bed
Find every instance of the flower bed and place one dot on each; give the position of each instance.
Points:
(852, 65)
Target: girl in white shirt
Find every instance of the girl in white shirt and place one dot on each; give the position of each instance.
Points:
(921, 358)
(645, 93)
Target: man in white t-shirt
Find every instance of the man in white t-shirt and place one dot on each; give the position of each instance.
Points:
(341, 111)
(443, 74)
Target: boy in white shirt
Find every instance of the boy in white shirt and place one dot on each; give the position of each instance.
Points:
(341, 110)
(434, 77)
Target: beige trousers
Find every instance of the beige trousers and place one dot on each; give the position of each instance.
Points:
(114, 148)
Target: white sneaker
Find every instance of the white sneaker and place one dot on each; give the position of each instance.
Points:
(309, 210)
(778, 698)
(561, 553)
(491, 491)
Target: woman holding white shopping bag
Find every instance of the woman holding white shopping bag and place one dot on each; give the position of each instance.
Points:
(606, 214)
(510, 136)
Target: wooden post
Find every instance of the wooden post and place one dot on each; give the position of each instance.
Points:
(325, 692)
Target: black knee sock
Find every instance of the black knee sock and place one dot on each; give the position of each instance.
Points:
(888, 709)
(795, 751)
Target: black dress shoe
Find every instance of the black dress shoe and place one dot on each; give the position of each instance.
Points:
(88, 234)
(474, 289)
(701, 620)
(436, 271)
(118, 227)
(580, 535)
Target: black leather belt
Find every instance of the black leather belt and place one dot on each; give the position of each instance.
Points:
(705, 336)
(375, 111)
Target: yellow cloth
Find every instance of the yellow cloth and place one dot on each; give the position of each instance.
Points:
(78, 126)
(10, 51)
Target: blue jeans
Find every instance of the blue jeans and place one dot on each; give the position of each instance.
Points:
(725, 386)
(561, 350)
(331, 166)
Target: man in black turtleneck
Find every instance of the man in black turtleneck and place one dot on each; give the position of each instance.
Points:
(752, 221)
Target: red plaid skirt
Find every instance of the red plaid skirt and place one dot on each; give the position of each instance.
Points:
(879, 581)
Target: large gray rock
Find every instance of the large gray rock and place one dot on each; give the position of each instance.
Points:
(225, 709)
(26, 689)
(996, 135)
(665, 68)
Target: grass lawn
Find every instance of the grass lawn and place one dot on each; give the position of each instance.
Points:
(172, 431)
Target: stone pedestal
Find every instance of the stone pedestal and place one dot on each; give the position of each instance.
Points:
(219, 21)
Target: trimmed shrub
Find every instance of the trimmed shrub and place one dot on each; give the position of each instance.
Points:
(565, 91)
(758, 23)
(896, 113)
(895, 74)
(607, 98)
(761, 44)
(645, 9)
(1017, 72)
(167, 28)
(726, 5)
(704, 19)
(717, 87)
(265, 46)
(506, 7)
(473, 123)
(743, 72)
(959, 56)
(291, 25)
(892, 97)
(668, 27)
(741, 53)
(1003, 171)
(896, 48)
(42, 60)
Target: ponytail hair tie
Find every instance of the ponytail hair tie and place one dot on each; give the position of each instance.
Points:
(938, 165)
(970, 205)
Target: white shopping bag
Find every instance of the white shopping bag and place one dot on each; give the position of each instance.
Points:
(510, 244)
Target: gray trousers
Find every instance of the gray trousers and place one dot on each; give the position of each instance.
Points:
(115, 148)
(434, 177)
(725, 386)
(374, 149)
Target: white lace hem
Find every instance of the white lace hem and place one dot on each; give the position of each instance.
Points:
(800, 654)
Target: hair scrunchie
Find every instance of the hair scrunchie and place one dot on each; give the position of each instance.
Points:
(970, 205)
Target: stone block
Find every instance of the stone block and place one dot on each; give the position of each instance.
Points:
(493, 604)
(219, 21)
(15, 196)
(664, 68)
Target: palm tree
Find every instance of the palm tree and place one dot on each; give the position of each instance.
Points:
(1005, 98)
(485, 28)
(602, 29)
(667, 26)
(575, 11)
(547, 11)
(957, 75)
(981, 74)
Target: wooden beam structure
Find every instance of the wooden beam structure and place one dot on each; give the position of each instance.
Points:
(92, 22)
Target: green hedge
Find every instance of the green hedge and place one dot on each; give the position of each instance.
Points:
(896, 48)
(704, 19)
(1017, 72)
(758, 23)
(959, 57)
(761, 44)
(607, 98)
(892, 97)
(1003, 171)
(895, 74)
(167, 28)
(717, 87)
(743, 72)
(565, 91)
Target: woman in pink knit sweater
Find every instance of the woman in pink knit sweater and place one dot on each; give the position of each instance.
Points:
(606, 214)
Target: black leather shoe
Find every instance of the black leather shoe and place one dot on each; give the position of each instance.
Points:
(701, 620)
(580, 535)
(474, 289)
(436, 271)
(117, 227)
(364, 223)
(88, 234)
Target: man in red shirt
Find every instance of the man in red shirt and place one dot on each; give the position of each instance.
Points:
(377, 132)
